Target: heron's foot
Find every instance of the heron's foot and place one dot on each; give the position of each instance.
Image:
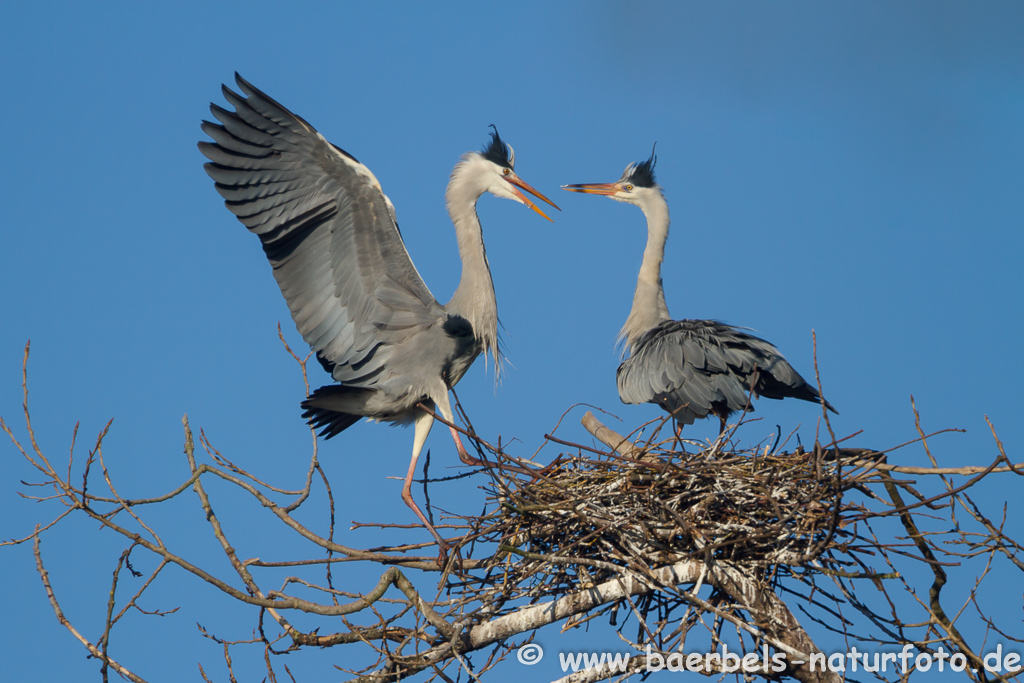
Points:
(464, 455)
(442, 555)
(449, 563)
(471, 461)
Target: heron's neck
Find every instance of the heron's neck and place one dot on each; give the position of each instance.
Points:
(649, 307)
(474, 298)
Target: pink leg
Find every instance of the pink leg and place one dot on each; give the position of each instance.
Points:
(464, 455)
(445, 408)
(442, 406)
(423, 425)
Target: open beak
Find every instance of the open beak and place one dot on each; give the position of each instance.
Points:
(516, 181)
(604, 189)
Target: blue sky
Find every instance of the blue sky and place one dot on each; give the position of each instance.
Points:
(855, 169)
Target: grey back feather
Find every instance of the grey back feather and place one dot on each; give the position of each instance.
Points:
(693, 368)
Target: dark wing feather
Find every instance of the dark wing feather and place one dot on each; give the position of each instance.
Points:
(695, 367)
(327, 229)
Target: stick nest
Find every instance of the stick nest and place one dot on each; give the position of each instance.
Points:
(584, 520)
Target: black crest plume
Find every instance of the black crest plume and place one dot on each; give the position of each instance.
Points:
(641, 173)
(497, 151)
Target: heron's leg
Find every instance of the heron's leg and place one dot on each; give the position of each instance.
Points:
(446, 412)
(422, 426)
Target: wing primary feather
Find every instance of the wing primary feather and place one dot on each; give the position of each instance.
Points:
(329, 233)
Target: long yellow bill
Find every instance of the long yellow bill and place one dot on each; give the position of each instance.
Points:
(516, 181)
(593, 188)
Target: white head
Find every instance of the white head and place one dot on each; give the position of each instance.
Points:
(493, 170)
(636, 186)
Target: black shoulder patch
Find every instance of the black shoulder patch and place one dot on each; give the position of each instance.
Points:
(457, 326)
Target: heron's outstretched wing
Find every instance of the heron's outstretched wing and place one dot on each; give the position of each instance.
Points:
(692, 366)
(326, 227)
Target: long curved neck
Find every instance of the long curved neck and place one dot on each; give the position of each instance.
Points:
(474, 298)
(649, 307)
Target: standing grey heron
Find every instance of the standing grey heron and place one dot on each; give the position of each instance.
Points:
(691, 368)
(332, 238)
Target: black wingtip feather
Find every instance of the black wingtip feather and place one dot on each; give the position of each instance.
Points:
(254, 93)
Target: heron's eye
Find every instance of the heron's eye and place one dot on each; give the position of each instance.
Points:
(507, 171)
(629, 188)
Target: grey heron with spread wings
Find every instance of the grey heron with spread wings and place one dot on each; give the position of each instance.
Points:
(691, 368)
(330, 233)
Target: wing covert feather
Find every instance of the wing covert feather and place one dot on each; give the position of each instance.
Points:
(697, 365)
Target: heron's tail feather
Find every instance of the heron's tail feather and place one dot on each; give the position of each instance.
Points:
(804, 392)
(829, 406)
(809, 393)
(325, 408)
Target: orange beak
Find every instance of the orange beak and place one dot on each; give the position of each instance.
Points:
(604, 189)
(516, 181)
